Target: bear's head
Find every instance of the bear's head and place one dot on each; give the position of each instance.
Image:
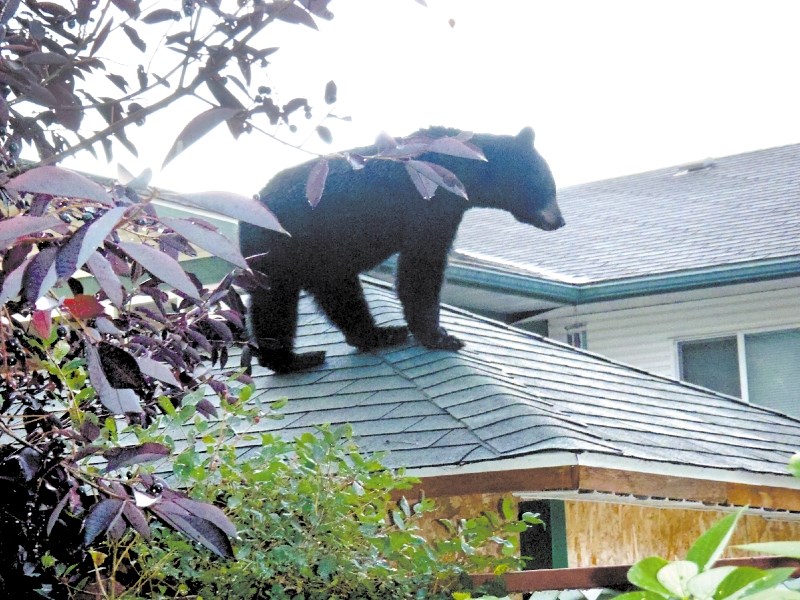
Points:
(519, 180)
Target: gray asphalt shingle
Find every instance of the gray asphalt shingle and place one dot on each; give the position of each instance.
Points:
(510, 393)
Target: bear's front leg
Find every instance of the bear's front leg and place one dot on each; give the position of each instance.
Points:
(419, 281)
(343, 301)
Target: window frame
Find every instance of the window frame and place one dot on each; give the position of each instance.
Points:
(740, 350)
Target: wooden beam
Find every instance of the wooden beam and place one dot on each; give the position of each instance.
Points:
(613, 481)
(501, 482)
(614, 577)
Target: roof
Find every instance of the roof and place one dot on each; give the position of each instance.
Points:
(510, 394)
(738, 215)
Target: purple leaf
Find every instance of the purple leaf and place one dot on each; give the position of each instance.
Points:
(119, 81)
(356, 161)
(107, 279)
(324, 134)
(130, 7)
(222, 330)
(101, 37)
(12, 284)
(40, 95)
(120, 368)
(134, 515)
(197, 527)
(161, 266)
(209, 512)
(315, 184)
(45, 58)
(197, 128)
(40, 275)
(56, 181)
(118, 401)
(101, 518)
(161, 14)
(236, 206)
(330, 92)
(124, 457)
(157, 370)
(200, 530)
(216, 243)
(51, 522)
(74, 254)
(133, 36)
(436, 174)
(15, 227)
(318, 8)
(206, 408)
(290, 13)
(69, 113)
(456, 147)
(7, 10)
(425, 186)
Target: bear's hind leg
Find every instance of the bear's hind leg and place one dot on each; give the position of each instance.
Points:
(273, 316)
(344, 303)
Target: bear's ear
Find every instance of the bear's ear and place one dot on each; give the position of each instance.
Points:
(526, 136)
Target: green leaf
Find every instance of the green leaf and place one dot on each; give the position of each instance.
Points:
(789, 549)
(768, 580)
(736, 580)
(644, 574)
(710, 546)
(326, 567)
(794, 464)
(675, 576)
(705, 584)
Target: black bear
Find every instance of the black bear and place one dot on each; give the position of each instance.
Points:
(364, 217)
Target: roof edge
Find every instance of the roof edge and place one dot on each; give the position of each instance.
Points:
(591, 472)
(596, 291)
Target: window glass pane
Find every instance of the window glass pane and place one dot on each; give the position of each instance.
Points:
(714, 364)
(773, 369)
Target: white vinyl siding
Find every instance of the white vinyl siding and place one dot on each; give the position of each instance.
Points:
(645, 332)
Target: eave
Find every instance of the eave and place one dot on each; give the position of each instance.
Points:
(499, 279)
(587, 476)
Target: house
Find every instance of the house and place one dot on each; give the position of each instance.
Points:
(690, 272)
(622, 463)
(673, 271)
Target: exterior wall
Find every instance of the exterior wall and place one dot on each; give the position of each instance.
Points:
(607, 533)
(643, 332)
(604, 533)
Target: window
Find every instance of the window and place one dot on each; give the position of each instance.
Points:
(762, 367)
(576, 336)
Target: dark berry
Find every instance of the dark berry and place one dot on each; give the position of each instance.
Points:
(156, 489)
(62, 331)
(65, 217)
(264, 90)
(11, 360)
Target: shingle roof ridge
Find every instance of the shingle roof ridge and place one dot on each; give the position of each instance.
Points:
(715, 161)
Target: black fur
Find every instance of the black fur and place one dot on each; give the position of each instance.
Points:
(364, 217)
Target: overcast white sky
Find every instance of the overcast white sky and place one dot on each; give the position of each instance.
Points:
(611, 87)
